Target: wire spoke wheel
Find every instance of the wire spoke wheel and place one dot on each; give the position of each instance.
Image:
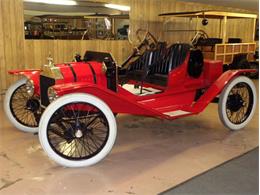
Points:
(237, 103)
(22, 109)
(25, 108)
(78, 131)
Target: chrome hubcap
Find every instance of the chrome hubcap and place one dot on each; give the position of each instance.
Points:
(78, 133)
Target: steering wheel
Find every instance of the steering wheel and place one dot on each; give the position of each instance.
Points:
(146, 43)
(148, 39)
(145, 40)
(201, 34)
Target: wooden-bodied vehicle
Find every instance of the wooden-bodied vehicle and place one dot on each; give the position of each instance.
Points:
(79, 100)
(234, 52)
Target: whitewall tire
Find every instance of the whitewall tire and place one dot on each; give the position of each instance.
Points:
(77, 130)
(16, 98)
(237, 103)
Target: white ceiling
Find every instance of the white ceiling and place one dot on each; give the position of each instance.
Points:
(83, 7)
(87, 6)
(252, 5)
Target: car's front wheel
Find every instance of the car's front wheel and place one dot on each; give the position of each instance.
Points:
(237, 103)
(22, 109)
(77, 130)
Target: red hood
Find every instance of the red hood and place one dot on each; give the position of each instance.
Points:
(82, 72)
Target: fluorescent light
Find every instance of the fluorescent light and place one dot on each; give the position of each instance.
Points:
(118, 7)
(55, 2)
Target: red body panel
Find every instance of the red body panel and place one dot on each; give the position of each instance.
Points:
(33, 74)
(212, 70)
(216, 88)
(82, 72)
(175, 100)
(120, 102)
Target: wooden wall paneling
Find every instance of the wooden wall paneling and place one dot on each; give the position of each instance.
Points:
(12, 33)
(28, 54)
(45, 51)
(69, 51)
(76, 48)
(93, 45)
(49, 51)
(212, 28)
(19, 31)
(59, 54)
(56, 51)
(16, 53)
(37, 51)
(2, 55)
(7, 39)
(241, 28)
(144, 15)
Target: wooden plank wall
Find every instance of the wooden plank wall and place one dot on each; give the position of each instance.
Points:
(37, 51)
(17, 53)
(242, 28)
(144, 14)
(11, 40)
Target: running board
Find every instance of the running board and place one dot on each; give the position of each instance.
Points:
(176, 113)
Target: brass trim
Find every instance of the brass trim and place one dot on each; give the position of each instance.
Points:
(52, 72)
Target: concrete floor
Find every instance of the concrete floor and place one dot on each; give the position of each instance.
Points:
(150, 156)
(238, 176)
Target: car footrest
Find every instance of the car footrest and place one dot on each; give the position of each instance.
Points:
(176, 113)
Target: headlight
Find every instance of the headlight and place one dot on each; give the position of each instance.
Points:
(29, 87)
(104, 68)
(52, 94)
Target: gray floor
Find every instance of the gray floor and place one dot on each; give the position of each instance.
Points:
(149, 156)
(238, 176)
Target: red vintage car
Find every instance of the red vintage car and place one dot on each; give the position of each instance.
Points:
(73, 105)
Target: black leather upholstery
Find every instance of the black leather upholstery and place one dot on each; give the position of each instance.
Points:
(234, 40)
(141, 62)
(195, 65)
(174, 57)
(154, 66)
(208, 41)
(139, 69)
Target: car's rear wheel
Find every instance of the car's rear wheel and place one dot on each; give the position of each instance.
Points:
(22, 109)
(237, 103)
(77, 130)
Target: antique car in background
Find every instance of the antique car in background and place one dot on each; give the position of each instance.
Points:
(231, 49)
(73, 105)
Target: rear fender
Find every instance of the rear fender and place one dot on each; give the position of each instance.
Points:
(216, 88)
(33, 74)
(119, 102)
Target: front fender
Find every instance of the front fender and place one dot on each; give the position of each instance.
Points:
(32, 74)
(216, 88)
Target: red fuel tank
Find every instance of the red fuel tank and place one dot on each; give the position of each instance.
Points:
(212, 70)
(91, 72)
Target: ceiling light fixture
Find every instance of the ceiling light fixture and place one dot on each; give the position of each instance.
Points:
(54, 2)
(118, 7)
